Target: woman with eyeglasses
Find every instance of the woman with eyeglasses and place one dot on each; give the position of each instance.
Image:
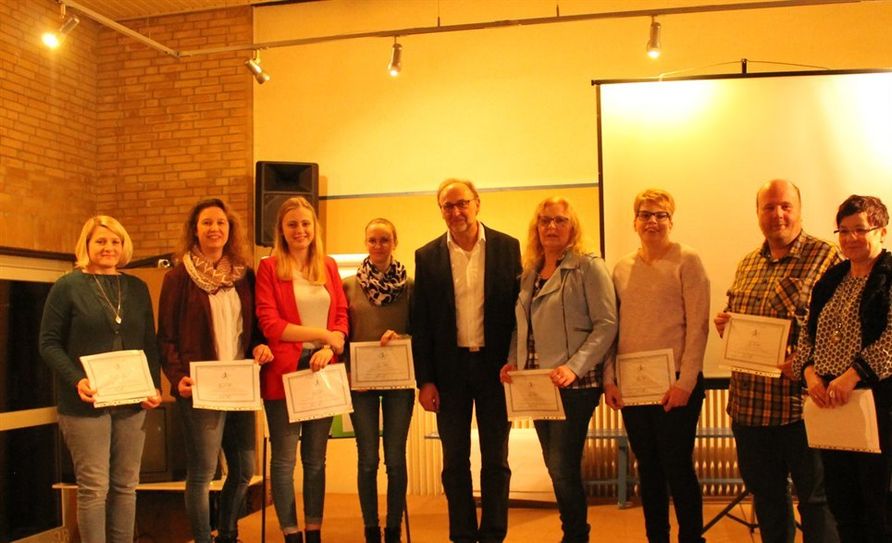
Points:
(302, 312)
(845, 346)
(663, 295)
(91, 310)
(378, 297)
(206, 312)
(566, 322)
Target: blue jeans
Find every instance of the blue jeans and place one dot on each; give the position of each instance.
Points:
(765, 456)
(396, 406)
(563, 442)
(663, 443)
(106, 452)
(283, 438)
(205, 431)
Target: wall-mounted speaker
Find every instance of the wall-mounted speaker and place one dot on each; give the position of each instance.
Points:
(274, 183)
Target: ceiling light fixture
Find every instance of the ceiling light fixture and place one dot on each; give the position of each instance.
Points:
(396, 59)
(54, 39)
(653, 42)
(253, 65)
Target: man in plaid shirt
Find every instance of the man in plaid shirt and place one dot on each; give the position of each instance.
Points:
(776, 280)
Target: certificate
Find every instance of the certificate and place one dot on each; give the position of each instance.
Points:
(849, 427)
(315, 395)
(119, 377)
(755, 345)
(226, 386)
(644, 377)
(532, 395)
(373, 366)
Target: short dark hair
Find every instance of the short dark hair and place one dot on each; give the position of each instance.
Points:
(877, 214)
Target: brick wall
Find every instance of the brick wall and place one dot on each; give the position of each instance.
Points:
(105, 124)
(171, 131)
(47, 128)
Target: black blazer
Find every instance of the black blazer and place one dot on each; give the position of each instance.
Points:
(434, 343)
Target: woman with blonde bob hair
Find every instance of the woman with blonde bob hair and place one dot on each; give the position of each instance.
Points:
(91, 310)
(669, 276)
(81, 250)
(302, 311)
(566, 322)
(206, 312)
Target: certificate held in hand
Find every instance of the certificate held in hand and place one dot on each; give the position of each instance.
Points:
(644, 377)
(532, 395)
(119, 377)
(226, 386)
(753, 344)
(849, 427)
(382, 367)
(313, 395)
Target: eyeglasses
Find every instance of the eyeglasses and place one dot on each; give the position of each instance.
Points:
(558, 221)
(460, 204)
(857, 232)
(660, 216)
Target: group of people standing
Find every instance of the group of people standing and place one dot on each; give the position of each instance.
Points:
(477, 312)
(294, 315)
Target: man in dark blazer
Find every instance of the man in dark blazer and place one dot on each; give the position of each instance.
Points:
(466, 283)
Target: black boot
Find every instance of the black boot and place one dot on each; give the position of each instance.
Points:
(373, 534)
(392, 535)
(313, 536)
(226, 538)
(296, 537)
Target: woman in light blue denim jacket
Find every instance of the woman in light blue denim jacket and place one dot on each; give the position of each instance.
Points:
(566, 322)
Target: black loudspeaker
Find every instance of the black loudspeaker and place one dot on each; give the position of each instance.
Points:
(274, 183)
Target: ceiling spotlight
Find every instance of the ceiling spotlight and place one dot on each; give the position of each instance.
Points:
(653, 42)
(254, 66)
(396, 59)
(55, 39)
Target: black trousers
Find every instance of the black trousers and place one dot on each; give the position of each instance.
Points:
(663, 443)
(858, 483)
(475, 383)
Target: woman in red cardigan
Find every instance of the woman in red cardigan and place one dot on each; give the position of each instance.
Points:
(302, 311)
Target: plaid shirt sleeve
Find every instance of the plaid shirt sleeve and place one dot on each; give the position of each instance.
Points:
(778, 288)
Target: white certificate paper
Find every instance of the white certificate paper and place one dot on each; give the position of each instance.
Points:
(644, 377)
(119, 377)
(753, 344)
(850, 427)
(315, 395)
(373, 366)
(226, 386)
(532, 395)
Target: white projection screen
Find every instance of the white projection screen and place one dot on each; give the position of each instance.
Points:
(712, 142)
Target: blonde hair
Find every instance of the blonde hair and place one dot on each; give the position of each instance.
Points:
(384, 222)
(82, 254)
(285, 262)
(658, 196)
(534, 254)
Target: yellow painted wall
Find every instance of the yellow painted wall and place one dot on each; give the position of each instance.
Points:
(417, 217)
(506, 106)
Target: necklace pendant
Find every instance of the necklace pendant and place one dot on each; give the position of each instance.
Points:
(117, 320)
(836, 336)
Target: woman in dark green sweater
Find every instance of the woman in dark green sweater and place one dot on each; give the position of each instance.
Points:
(96, 309)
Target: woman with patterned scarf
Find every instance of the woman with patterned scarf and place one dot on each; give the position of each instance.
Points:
(206, 312)
(378, 297)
